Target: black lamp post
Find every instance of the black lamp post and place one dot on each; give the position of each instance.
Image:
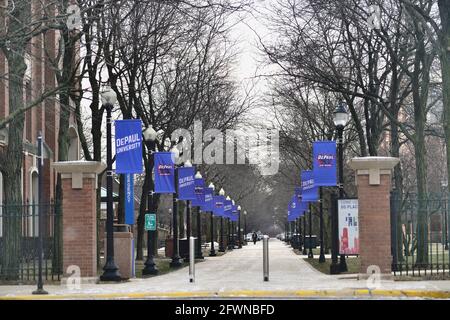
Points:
(177, 261)
(212, 251)
(322, 253)
(239, 227)
(233, 232)
(310, 252)
(150, 268)
(245, 226)
(334, 267)
(40, 284)
(304, 252)
(188, 211)
(111, 271)
(230, 230)
(221, 246)
(229, 246)
(199, 254)
(340, 119)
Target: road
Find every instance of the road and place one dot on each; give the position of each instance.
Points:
(239, 274)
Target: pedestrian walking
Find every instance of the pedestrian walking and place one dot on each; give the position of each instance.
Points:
(254, 237)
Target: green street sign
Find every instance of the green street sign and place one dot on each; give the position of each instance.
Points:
(150, 222)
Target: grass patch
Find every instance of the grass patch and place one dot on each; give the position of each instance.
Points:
(163, 265)
(353, 265)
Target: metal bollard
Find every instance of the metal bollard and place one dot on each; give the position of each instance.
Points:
(191, 259)
(266, 258)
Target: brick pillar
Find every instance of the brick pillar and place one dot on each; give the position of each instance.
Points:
(373, 180)
(79, 220)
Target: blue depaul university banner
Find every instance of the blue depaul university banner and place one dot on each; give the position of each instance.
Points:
(293, 209)
(186, 190)
(298, 194)
(129, 199)
(208, 205)
(218, 205)
(234, 213)
(324, 163)
(296, 207)
(199, 190)
(227, 208)
(128, 146)
(302, 206)
(164, 172)
(309, 189)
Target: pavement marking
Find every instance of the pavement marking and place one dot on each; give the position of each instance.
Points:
(359, 293)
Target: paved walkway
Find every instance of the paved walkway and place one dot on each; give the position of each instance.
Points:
(239, 274)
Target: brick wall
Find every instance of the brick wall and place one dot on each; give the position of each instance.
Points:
(79, 225)
(374, 223)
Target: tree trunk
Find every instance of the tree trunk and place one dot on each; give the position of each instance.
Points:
(420, 86)
(444, 55)
(12, 156)
(65, 80)
(398, 182)
(11, 169)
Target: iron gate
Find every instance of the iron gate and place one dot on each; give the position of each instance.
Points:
(419, 235)
(19, 231)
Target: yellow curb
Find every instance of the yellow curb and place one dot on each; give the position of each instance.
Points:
(389, 293)
(427, 294)
(244, 293)
(136, 295)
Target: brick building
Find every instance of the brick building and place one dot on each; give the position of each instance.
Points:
(42, 118)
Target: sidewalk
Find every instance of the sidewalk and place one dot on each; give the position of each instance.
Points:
(239, 274)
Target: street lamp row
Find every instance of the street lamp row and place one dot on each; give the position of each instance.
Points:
(111, 271)
(340, 120)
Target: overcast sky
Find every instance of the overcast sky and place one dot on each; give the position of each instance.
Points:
(249, 66)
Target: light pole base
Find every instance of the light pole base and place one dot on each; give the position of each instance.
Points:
(110, 275)
(150, 268)
(212, 253)
(342, 264)
(176, 262)
(322, 258)
(334, 268)
(111, 272)
(40, 291)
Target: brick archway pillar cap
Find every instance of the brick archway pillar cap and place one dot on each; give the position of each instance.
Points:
(76, 170)
(373, 167)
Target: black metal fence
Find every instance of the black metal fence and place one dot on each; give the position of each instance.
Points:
(419, 235)
(19, 231)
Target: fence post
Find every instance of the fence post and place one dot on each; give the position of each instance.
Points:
(394, 242)
(447, 198)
